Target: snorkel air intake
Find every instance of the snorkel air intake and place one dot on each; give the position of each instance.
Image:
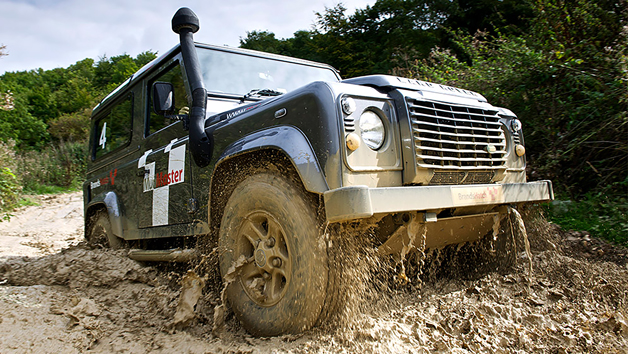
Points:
(185, 23)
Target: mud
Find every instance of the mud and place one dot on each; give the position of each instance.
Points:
(67, 297)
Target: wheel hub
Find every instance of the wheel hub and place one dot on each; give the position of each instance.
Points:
(262, 241)
(260, 258)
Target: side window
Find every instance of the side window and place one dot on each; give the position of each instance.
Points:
(113, 130)
(173, 76)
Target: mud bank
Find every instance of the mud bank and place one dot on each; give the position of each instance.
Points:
(82, 299)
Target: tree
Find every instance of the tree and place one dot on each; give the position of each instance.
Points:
(567, 79)
(6, 98)
(262, 41)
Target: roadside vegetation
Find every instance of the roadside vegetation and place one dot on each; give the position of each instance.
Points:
(560, 65)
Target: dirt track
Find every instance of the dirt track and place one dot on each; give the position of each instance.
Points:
(59, 296)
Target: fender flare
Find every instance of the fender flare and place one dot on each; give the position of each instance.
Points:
(108, 200)
(293, 143)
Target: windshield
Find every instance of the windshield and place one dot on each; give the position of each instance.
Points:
(239, 74)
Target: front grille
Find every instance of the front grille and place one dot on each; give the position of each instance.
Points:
(462, 177)
(453, 137)
(448, 178)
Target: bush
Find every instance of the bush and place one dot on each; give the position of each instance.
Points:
(567, 80)
(573, 112)
(9, 184)
(9, 189)
(603, 215)
(61, 165)
(71, 127)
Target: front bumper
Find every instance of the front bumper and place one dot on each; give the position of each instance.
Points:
(358, 202)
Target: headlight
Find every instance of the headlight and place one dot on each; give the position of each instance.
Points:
(372, 130)
(515, 125)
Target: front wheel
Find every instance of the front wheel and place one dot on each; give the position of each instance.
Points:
(273, 258)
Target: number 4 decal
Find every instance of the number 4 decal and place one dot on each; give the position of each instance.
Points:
(103, 137)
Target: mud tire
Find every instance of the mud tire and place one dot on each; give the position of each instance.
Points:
(290, 298)
(100, 233)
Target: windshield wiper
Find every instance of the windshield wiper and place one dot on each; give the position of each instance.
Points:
(261, 92)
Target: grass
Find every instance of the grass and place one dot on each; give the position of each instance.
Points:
(603, 214)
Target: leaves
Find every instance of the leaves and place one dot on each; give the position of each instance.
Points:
(40, 106)
(9, 185)
(561, 65)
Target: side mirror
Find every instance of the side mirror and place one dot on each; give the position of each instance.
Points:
(163, 98)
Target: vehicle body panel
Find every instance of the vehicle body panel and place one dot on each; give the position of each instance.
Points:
(159, 192)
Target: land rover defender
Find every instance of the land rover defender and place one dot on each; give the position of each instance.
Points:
(261, 151)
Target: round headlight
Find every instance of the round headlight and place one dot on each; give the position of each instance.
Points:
(372, 130)
(515, 125)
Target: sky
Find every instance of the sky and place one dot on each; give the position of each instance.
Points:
(57, 33)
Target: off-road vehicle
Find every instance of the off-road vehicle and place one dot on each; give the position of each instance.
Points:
(261, 151)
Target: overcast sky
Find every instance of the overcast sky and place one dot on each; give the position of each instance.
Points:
(57, 33)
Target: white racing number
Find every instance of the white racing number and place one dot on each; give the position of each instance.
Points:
(103, 137)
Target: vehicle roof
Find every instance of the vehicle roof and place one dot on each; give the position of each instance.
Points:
(146, 69)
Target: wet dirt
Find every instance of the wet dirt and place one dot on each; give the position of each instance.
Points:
(66, 297)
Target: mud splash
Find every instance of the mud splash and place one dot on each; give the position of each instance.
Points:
(100, 301)
(523, 234)
(413, 229)
(191, 291)
(220, 311)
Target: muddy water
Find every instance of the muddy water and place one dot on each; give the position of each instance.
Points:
(520, 231)
(100, 301)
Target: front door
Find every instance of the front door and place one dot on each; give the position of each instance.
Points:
(164, 165)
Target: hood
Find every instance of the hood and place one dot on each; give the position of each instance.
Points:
(388, 83)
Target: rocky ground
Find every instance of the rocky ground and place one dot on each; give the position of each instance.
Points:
(57, 295)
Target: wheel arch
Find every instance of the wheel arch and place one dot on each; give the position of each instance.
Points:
(292, 143)
(246, 163)
(107, 202)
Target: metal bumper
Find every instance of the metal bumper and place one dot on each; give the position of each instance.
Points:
(357, 202)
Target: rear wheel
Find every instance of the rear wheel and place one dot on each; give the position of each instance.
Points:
(273, 258)
(100, 233)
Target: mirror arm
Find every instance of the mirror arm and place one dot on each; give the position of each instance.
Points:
(185, 118)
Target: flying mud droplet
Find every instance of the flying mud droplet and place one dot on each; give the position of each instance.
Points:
(220, 311)
(496, 222)
(413, 229)
(192, 289)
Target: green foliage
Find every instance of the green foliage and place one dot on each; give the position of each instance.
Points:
(567, 80)
(45, 114)
(370, 40)
(71, 127)
(60, 165)
(9, 189)
(9, 185)
(45, 102)
(109, 73)
(603, 214)
(491, 16)
(560, 65)
(571, 93)
(262, 41)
